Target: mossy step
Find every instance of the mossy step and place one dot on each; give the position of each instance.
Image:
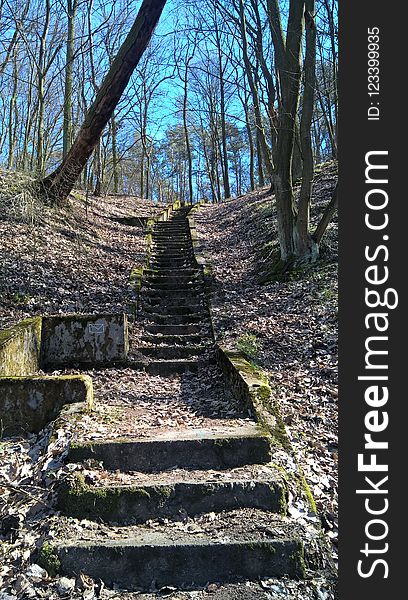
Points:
(218, 448)
(190, 562)
(169, 352)
(126, 505)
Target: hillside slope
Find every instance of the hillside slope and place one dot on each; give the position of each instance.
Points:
(289, 328)
(72, 259)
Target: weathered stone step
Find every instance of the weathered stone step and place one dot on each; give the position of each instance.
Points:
(172, 265)
(170, 225)
(178, 272)
(181, 340)
(187, 286)
(177, 300)
(174, 279)
(175, 319)
(178, 262)
(166, 368)
(218, 449)
(152, 558)
(172, 236)
(164, 309)
(131, 504)
(169, 352)
(172, 246)
(173, 254)
(171, 296)
(175, 329)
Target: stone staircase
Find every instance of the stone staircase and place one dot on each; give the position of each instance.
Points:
(174, 308)
(199, 505)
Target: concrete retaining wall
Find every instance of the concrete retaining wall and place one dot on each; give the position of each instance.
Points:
(84, 340)
(27, 404)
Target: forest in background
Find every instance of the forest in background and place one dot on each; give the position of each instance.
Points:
(195, 116)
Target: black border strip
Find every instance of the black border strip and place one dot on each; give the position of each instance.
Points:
(357, 136)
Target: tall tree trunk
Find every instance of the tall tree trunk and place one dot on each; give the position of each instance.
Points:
(13, 116)
(41, 70)
(289, 75)
(305, 247)
(187, 134)
(261, 136)
(224, 149)
(59, 184)
(67, 123)
(115, 156)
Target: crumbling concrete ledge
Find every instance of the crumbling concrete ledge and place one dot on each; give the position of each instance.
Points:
(251, 387)
(27, 404)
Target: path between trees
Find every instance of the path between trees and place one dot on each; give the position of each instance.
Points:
(182, 487)
(142, 537)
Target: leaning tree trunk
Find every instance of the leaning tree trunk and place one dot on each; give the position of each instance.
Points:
(59, 184)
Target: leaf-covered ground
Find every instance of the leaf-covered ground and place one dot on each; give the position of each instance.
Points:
(74, 259)
(78, 259)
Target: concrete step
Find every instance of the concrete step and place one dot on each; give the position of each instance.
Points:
(186, 286)
(180, 340)
(163, 300)
(142, 559)
(174, 279)
(162, 310)
(173, 297)
(167, 368)
(135, 503)
(176, 329)
(176, 319)
(169, 236)
(170, 352)
(218, 449)
(167, 254)
(178, 272)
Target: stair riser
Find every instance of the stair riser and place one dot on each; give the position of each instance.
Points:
(160, 301)
(188, 566)
(168, 368)
(175, 329)
(175, 319)
(174, 339)
(128, 505)
(172, 311)
(170, 352)
(188, 287)
(206, 453)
